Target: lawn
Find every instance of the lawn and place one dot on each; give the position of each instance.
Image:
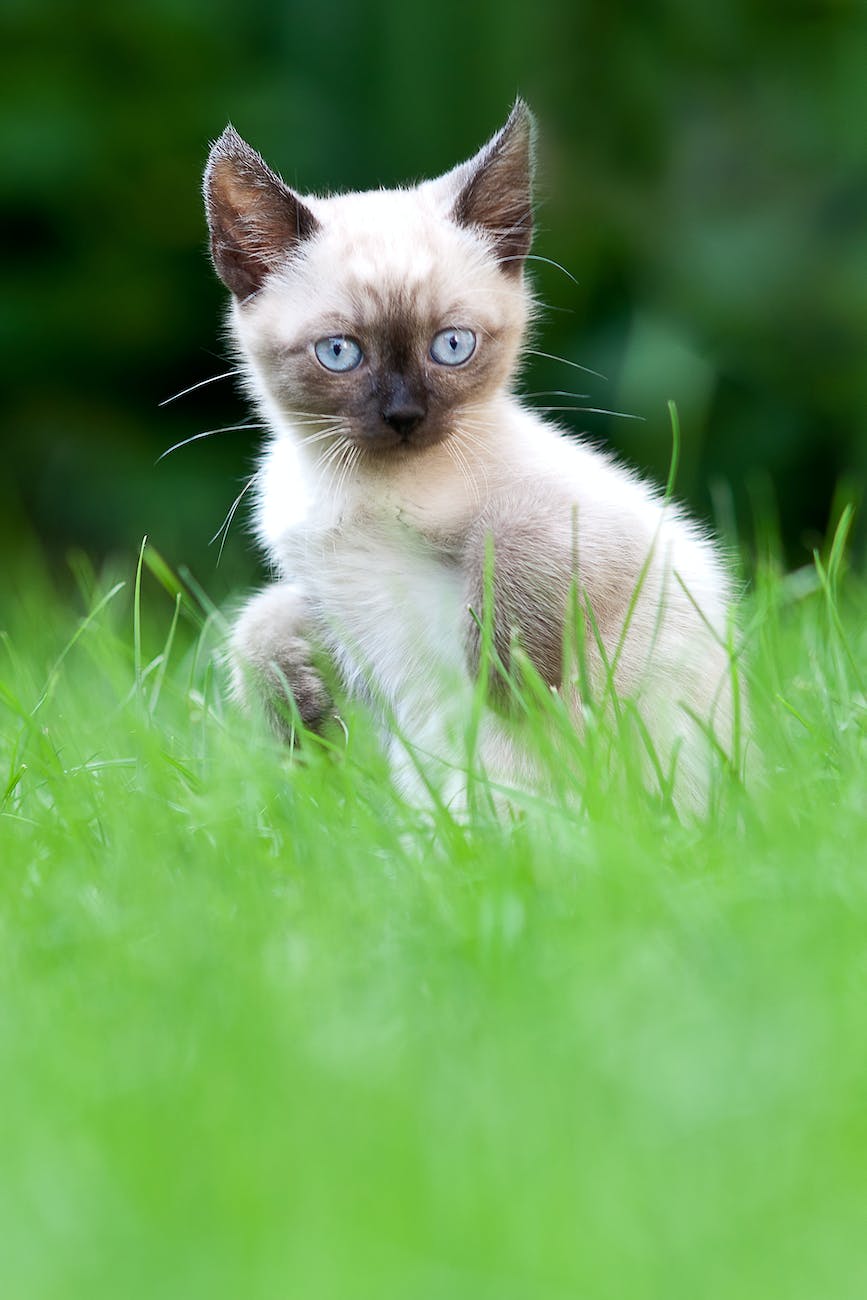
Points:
(266, 1031)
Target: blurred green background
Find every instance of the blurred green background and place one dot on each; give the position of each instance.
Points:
(703, 177)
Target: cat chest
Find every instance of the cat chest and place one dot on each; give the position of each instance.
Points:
(392, 611)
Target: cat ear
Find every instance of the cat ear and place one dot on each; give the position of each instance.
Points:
(255, 220)
(494, 190)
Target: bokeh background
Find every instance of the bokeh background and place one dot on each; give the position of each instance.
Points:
(703, 178)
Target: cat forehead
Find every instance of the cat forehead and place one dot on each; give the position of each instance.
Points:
(400, 236)
(383, 257)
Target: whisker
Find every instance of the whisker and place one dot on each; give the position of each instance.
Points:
(476, 442)
(483, 425)
(206, 433)
(535, 257)
(470, 425)
(471, 478)
(321, 435)
(311, 417)
(330, 454)
(355, 459)
(472, 437)
(330, 461)
(594, 410)
(348, 463)
(459, 464)
(227, 522)
(550, 357)
(469, 429)
(201, 384)
(340, 441)
(554, 392)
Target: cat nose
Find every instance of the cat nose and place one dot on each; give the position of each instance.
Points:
(403, 417)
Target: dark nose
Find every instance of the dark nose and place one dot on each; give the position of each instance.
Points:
(403, 417)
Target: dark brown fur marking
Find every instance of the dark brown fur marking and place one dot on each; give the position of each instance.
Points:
(536, 569)
(255, 221)
(293, 673)
(532, 574)
(497, 196)
(396, 357)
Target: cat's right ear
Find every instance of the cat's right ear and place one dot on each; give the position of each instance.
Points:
(255, 221)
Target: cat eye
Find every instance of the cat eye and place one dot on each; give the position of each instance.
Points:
(452, 347)
(338, 353)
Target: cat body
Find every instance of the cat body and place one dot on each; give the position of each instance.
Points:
(404, 482)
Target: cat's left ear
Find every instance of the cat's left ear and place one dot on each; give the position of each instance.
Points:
(494, 190)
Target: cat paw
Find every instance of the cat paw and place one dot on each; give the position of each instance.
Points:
(271, 662)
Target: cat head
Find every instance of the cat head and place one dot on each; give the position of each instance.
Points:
(383, 315)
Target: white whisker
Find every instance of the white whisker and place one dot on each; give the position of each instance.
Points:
(206, 433)
(550, 357)
(227, 522)
(330, 455)
(321, 435)
(227, 374)
(351, 462)
(452, 455)
(330, 460)
(475, 441)
(534, 257)
(593, 410)
(480, 425)
(472, 438)
(554, 392)
(311, 417)
(460, 459)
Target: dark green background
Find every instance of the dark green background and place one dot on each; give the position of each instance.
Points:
(704, 178)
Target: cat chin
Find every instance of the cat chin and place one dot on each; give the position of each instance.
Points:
(384, 447)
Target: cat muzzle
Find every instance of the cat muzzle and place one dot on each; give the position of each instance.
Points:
(403, 419)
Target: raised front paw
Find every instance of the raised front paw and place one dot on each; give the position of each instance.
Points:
(272, 661)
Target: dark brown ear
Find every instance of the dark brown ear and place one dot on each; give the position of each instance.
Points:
(255, 220)
(496, 189)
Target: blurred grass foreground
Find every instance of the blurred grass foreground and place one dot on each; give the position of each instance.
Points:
(269, 1031)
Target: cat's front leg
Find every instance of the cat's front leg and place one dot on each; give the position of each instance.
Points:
(518, 555)
(272, 659)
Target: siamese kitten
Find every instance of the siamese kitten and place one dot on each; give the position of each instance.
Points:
(380, 335)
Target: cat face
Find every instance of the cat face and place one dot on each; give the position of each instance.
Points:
(383, 316)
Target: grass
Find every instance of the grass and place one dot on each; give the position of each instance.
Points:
(266, 1031)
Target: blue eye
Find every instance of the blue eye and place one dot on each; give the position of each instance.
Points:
(338, 353)
(452, 347)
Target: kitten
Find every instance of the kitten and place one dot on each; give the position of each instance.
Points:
(380, 335)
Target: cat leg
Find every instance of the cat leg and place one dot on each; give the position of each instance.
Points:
(530, 581)
(517, 558)
(271, 659)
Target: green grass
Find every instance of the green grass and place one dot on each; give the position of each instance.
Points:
(266, 1031)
